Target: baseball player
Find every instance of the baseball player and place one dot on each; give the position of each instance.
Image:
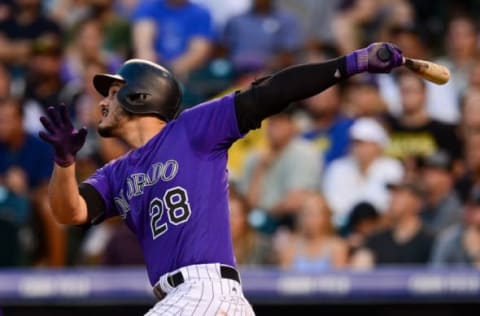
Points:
(171, 188)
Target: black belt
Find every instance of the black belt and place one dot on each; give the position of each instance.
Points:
(226, 272)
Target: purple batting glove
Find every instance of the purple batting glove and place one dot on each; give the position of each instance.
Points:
(62, 135)
(376, 58)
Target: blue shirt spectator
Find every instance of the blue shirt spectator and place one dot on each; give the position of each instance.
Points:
(25, 167)
(33, 156)
(176, 24)
(329, 127)
(333, 140)
(262, 37)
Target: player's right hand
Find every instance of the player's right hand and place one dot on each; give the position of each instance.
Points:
(375, 58)
(64, 138)
(383, 57)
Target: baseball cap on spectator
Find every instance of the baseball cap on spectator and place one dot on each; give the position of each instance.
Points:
(439, 160)
(369, 130)
(414, 187)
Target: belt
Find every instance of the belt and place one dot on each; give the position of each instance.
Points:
(175, 279)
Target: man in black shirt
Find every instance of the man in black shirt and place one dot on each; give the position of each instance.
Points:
(415, 134)
(406, 241)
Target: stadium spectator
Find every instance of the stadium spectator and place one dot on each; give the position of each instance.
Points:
(361, 98)
(363, 220)
(5, 82)
(315, 17)
(249, 246)
(19, 148)
(473, 79)
(222, 11)
(409, 39)
(175, 33)
(460, 244)
(362, 175)
(406, 241)
(468, 130)
(85, 48)
(275, 178)
(44, 86)
(6, 8)
(395, 14)
(262, 38)
(441, 100)
(117, 31)
(470, 113)
(329, 127)
(27, 161)
(470, 179)
(26, 30)
(415, 134)
(66, 12)
(442, 204)
(241, 150)
(115, 26)
(351, 24)
(125, 8)
(313, 245)
(14, 213)
(461, 43)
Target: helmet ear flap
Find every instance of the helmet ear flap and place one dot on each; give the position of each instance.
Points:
(139, 98)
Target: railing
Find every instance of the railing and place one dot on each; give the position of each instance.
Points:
(130, 286)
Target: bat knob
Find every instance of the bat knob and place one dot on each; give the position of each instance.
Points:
(384, 54)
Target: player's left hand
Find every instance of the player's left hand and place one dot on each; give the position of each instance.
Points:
(375, 58)
(64, 138)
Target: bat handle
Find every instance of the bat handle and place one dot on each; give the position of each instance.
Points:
(384, 54)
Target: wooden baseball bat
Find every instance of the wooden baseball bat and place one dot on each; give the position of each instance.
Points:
(426, 69)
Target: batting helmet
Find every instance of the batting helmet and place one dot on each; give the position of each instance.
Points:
(149, 88)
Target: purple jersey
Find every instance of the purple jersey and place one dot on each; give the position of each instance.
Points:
(173, 191)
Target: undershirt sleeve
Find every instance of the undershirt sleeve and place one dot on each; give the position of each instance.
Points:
(95, 203)
(270, 95)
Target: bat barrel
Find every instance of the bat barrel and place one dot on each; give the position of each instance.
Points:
(429, 71)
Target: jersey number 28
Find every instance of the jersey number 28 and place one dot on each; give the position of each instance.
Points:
(175, 201)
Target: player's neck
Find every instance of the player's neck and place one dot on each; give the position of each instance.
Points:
(138, 131)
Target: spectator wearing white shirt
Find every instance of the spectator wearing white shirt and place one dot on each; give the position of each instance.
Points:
(363, 174)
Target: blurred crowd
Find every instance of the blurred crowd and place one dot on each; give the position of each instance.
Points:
(380, 169)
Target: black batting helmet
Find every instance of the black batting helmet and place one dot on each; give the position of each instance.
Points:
(149, 88)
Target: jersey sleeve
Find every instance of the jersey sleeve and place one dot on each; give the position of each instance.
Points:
(212, 126)
(100, 181)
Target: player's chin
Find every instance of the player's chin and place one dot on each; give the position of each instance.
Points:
(105, 131)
